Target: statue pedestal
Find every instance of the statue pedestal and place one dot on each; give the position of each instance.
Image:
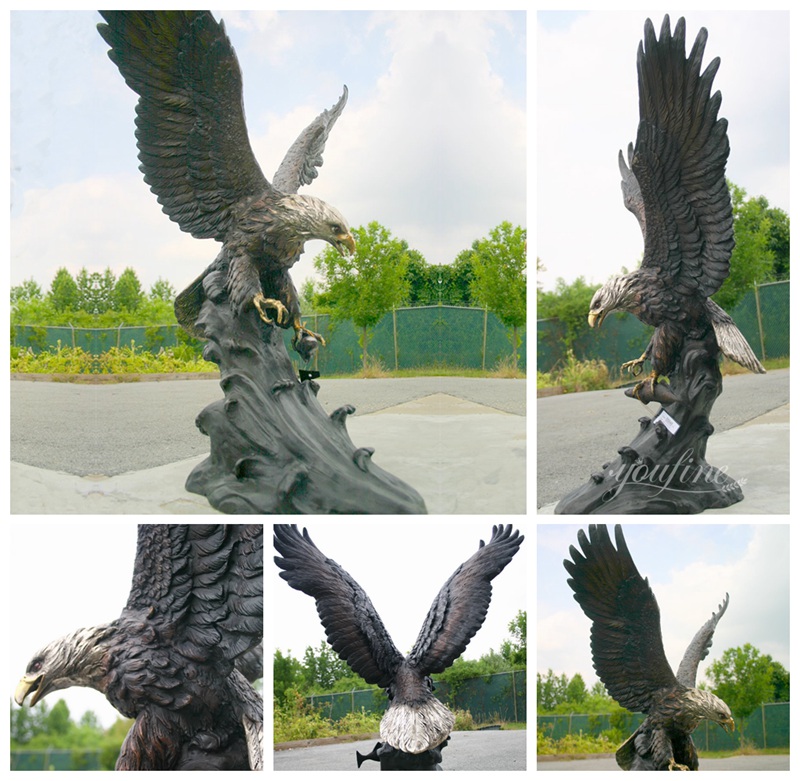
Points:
(664, 469)
(274, 449)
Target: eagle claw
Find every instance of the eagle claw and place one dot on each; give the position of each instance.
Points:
(634, 367)
(673, 765)
(281, 312)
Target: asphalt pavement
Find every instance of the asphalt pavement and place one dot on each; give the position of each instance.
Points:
(752, 762)
(578, 432)
(128, 447)
(494, 750)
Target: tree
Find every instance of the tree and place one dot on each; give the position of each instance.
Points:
(569, 305)
(287, 674)
(364, 286)
(550, 690)
(753, 259)
(63, 291)
(743, 678)
(447, 284)
(576, 689)
(161, 290)
(322, 667)
(127, 292)
(29, 290)
(499, 282)
(516, 649)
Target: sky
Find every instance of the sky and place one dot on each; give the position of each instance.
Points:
(690, 568)
(432, 143)
(402, 566)
(587, 110)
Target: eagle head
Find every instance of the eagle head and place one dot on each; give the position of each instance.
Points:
(312, 218)
(617, 293)
(705, 705)
(77, 659)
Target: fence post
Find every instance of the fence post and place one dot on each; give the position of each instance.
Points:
(394, 331)
(485, 325)
(119, 333)
(514, 693)
(72, 327)
(763, 725)
(760, 324)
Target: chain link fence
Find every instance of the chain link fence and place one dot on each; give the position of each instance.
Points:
(762, 316)
(767, 727)
(407, 338)
(56, 759)
(494, 698)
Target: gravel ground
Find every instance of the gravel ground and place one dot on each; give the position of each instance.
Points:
(113, 429)
(577, 432)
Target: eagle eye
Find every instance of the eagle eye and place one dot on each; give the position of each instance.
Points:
(35, 666)
(336, 228)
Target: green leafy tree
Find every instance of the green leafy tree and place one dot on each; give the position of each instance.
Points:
(63, 292)
(499, 282)
(516, 649)
(576, 689)
(743, 678)
(753, 259)
(569, 305)
(287, 674)
(364, 286)
(161, 290)
(322, 667)
(127, 292)
(29, 290)
(780, 682)
(551, 689)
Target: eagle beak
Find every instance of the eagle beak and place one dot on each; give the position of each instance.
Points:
(28, 684)
(728, 725)
(596, 317)
(346, 240)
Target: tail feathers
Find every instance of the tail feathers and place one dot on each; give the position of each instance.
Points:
(731, 340)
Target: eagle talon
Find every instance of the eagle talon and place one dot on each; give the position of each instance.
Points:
(300, 331)
(281, 312)
(673, 765)
(635, 366)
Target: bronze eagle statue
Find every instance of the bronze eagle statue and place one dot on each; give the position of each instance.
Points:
(196, 156)
(628, 655)
(181, 657)
(674, 183)
(416, 725)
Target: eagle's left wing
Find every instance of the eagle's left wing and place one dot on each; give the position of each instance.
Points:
(460, 607)
(300, 164)
(699, 647)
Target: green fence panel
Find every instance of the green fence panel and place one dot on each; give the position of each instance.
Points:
(767, 727)
(407, 338)
(496, 697)
(56, 759)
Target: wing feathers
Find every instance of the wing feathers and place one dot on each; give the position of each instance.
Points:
(460, 608)
(352, 625)
(627, 649)
(193, 145)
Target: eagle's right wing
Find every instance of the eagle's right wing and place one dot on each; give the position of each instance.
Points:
(699, 647)
(627, 650)
(190, 128)
(352, 625)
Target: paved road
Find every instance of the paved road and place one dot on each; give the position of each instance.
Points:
(779, 762)
(578, 432)
(114, 429)
(487, 750)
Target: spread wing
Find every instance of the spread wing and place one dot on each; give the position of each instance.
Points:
(627, 650)
(731, 340)
(679, 164)
(699, 647)
(190, 128)
(352, 625)
(300, 164)
(460, 608)
(202, 587)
